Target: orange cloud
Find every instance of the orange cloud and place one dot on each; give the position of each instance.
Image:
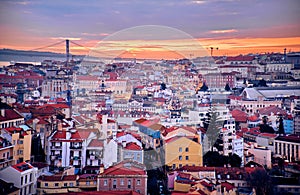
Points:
(223, 31)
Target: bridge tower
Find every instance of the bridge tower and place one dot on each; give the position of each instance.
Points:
(67, 50)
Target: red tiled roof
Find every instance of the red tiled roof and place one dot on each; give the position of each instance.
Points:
(133, 146)
(10, 114)
(79, 119)
(19, 166)
(84, 134)
(253, 118)
(114, 192)
(41, 121)
(56, 105)
(88, 78)
(96, 143)
(60, 135)
(227, 185)
(272, 109)
(124, 168)
(239, 115)
(271, 135)
(171, 129)
(58, 178)
(235, 97)
(240, 58)
(204, 183)
(12, 129)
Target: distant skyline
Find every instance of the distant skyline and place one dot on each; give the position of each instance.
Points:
(234, 26)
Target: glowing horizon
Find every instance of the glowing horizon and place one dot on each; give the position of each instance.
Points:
(229, 46)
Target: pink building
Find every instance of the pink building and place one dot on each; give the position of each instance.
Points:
(126, 175)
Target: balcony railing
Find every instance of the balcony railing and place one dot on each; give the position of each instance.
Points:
(5, 160)
(56, 147)
(56, 157)
(76, 158)
(75, 147)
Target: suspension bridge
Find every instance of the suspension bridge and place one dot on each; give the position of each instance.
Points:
(68, 54)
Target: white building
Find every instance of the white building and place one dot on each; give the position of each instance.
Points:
(108, 127)
(288, 146)
(66, 148)
(232, 144)
(266, 140)
(262, 156)
(110, 153)
(23, 175)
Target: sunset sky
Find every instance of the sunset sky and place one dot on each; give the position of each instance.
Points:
(234, 26)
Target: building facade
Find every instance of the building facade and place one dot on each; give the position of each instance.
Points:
(126, 175)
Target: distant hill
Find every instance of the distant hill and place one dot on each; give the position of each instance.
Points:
(30, 56)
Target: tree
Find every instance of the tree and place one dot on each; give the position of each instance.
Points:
(213, 159)
(163, 86)
(280, 127)
(234, 160)
(264, 127)
(204, 87)
(260, 181)
(227, 87)
(213, 125)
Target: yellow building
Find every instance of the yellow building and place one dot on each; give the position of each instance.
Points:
(22, 144)
(57, 184)
(181, 151)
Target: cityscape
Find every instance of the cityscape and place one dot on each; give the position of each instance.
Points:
(151, 98)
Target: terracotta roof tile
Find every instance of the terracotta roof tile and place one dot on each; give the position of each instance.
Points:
(132, 146)
(10, 114)
(96, 143)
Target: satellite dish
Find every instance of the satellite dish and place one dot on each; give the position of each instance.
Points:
(36, 94)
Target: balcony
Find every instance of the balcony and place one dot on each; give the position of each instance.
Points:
(76, 147)
(56, 147)
(76, 158)
(6, 160)
(56, 157)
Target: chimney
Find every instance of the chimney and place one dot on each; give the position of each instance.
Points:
(34, 123)
(3, 112)
(68, 135)
(101, 168)
(124, 144)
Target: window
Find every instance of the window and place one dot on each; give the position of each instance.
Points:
(3, 155)
(105, 183)
(180, 165)
(180, 149)
(46, 184)
(25, 179)
(56, 184)
(65, 184)
(71, 185)
(30, 177)
(180, 157)
(87, 183)
(122, 182)
(138, 182)
(174, 166)
(187, 158)
(129, 183)
(186, 149)
(21, 180)
(115, 183)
